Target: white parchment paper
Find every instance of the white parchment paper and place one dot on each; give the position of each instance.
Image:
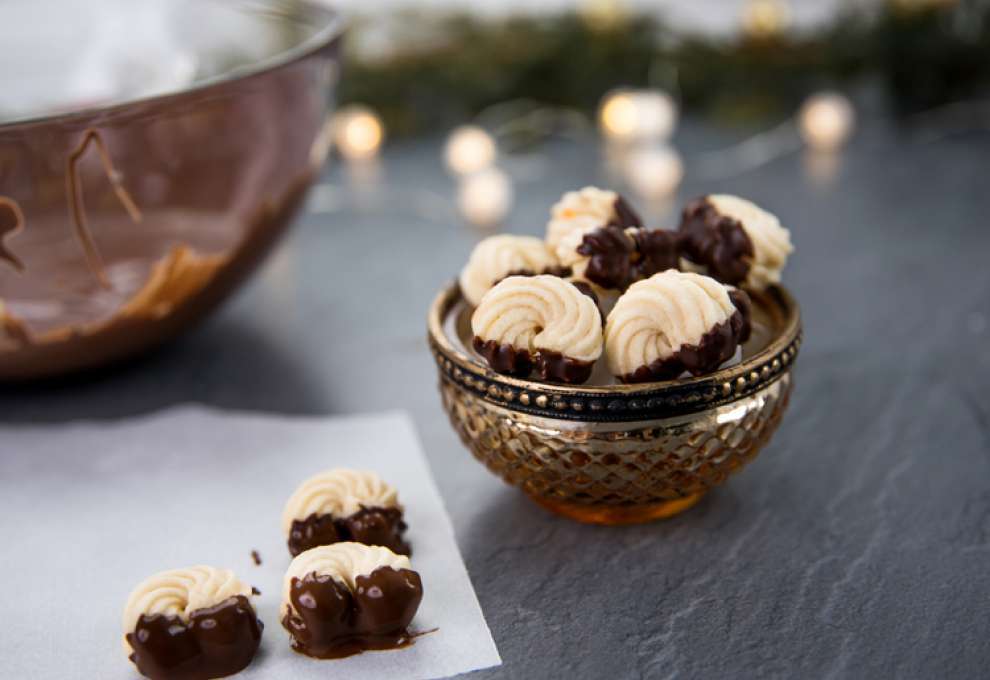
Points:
(88, 510)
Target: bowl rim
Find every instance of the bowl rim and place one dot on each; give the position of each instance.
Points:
(612, 403)
(333, 28)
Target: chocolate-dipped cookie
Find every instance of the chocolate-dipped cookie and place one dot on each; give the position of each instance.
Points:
(671, 323)
(344, 505)
(619, 257)
(191, 624)
(342, 599)
(497, 257)
(577, 213)
(541, 322)
(734, 240)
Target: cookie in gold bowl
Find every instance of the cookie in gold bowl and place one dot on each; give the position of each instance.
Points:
(612, 452)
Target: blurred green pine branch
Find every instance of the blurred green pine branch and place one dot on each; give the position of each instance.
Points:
(444, 68)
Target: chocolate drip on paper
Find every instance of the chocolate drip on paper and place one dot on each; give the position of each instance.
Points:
(328, 621)
(716, 241)
(216, 642)
(713, 349)
(371, 526)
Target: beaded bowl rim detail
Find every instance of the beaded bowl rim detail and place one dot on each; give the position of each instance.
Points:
(617, 403)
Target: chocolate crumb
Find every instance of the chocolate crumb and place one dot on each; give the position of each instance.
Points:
(255, 591)
(256, 557)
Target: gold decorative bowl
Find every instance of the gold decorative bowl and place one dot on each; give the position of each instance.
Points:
(618, 454)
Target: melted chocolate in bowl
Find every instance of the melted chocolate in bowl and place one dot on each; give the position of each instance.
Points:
(121, 225)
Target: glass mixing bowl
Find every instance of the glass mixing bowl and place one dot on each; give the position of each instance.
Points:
(150, 154)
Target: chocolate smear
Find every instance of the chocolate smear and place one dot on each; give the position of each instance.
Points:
(715, 348)
(371, 526)
(216, 642)
(715, 241)
(327, 621)
(11, 222)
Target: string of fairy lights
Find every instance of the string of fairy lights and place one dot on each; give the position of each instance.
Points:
(636, 126)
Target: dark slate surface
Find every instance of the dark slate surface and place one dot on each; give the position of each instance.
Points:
(857, 545)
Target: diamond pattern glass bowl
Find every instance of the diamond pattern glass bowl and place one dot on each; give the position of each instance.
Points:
(618, 454)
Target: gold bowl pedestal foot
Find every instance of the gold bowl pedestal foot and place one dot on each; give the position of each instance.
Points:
(618, 515)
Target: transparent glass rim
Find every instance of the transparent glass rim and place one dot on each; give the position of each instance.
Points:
(333, 26)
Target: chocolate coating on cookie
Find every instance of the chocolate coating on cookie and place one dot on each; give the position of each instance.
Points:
(620, 257)
(578, 212)
(715, 241)
(329, 621)
(344, 505)
(715, 348)
(215, 642)
(541, 322)
(555, 367)
(742, 302)
(504, 358)
(624, 215)
(371, 526)
(671, 323)
(551, 366)
(341, 599)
